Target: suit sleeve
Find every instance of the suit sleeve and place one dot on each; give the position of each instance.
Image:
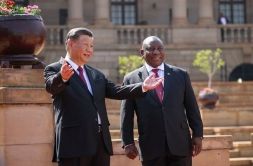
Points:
(192, 109)
(124, 91)
(127, 120)
(53, 80)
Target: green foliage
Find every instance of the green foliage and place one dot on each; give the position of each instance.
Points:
(208, 62)
(129, 63)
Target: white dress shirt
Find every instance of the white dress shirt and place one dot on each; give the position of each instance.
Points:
(160, 71)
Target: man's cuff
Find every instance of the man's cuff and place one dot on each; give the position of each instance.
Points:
(143, 89)
(64, 80)
(128, 145)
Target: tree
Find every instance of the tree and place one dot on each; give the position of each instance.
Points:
(209, 61)
(129, 63)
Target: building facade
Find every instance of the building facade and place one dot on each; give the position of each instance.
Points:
(185, 26)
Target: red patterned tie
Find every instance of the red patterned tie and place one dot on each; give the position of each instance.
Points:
(80, 70)
(159, 89)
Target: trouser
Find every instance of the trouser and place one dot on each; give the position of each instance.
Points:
(101, 158)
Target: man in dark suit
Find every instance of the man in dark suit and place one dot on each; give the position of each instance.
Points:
(222, 20)
(164, 115)
(81, 124)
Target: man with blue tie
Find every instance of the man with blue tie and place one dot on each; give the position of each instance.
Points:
(164, 115)
(78, 90)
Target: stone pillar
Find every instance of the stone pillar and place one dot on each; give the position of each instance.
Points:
(102, 15)
(206, 12)
(179, 12)
(26, 119)
(75, 11)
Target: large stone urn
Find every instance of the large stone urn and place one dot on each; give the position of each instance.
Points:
(22, 37)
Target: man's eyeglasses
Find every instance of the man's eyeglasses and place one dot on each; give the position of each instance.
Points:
(152, 49)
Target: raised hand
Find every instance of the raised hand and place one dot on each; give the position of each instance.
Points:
(66, 71)
(151, 82)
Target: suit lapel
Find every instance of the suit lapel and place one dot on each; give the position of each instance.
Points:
(91, 76)
(77, 80)
(167, 81)
(143, 74)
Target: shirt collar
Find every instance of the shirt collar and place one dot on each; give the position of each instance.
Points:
(73, 64)
(149, 68)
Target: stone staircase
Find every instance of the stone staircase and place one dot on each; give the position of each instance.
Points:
(232, 116)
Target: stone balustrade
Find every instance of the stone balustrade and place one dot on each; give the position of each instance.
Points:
(131, 35)
(135, 34)
(56, 35)
(242, 33)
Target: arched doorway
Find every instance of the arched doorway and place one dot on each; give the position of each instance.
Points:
(243, 71)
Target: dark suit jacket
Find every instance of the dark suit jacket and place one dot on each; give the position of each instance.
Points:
(76, 110)
(158, 122)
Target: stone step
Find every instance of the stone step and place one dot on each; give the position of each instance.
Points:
(234, 153)
(227, 117)
(241, 161)
(245, 148)
(251, 138)
(239, 133)
(214, 118)
(228, 87)
(228, 101)
(241, 137)
(238, 97)
(233, 107)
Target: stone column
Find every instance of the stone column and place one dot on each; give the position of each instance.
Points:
(102, 15)
(75, 11)
(206, 12)
(179, 12)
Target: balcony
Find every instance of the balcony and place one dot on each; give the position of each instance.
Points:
(133, 35)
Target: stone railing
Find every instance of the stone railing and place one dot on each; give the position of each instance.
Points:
(239, 33)
(135, 34)
(131, 35)
(56, 34)
(125, 34)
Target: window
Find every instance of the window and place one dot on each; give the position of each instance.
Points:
(123, 12)
(234, 10)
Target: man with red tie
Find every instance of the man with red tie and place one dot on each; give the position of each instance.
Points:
(164, 116)
(82, 136)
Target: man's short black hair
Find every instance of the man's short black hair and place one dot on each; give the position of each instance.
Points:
(75, 33)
